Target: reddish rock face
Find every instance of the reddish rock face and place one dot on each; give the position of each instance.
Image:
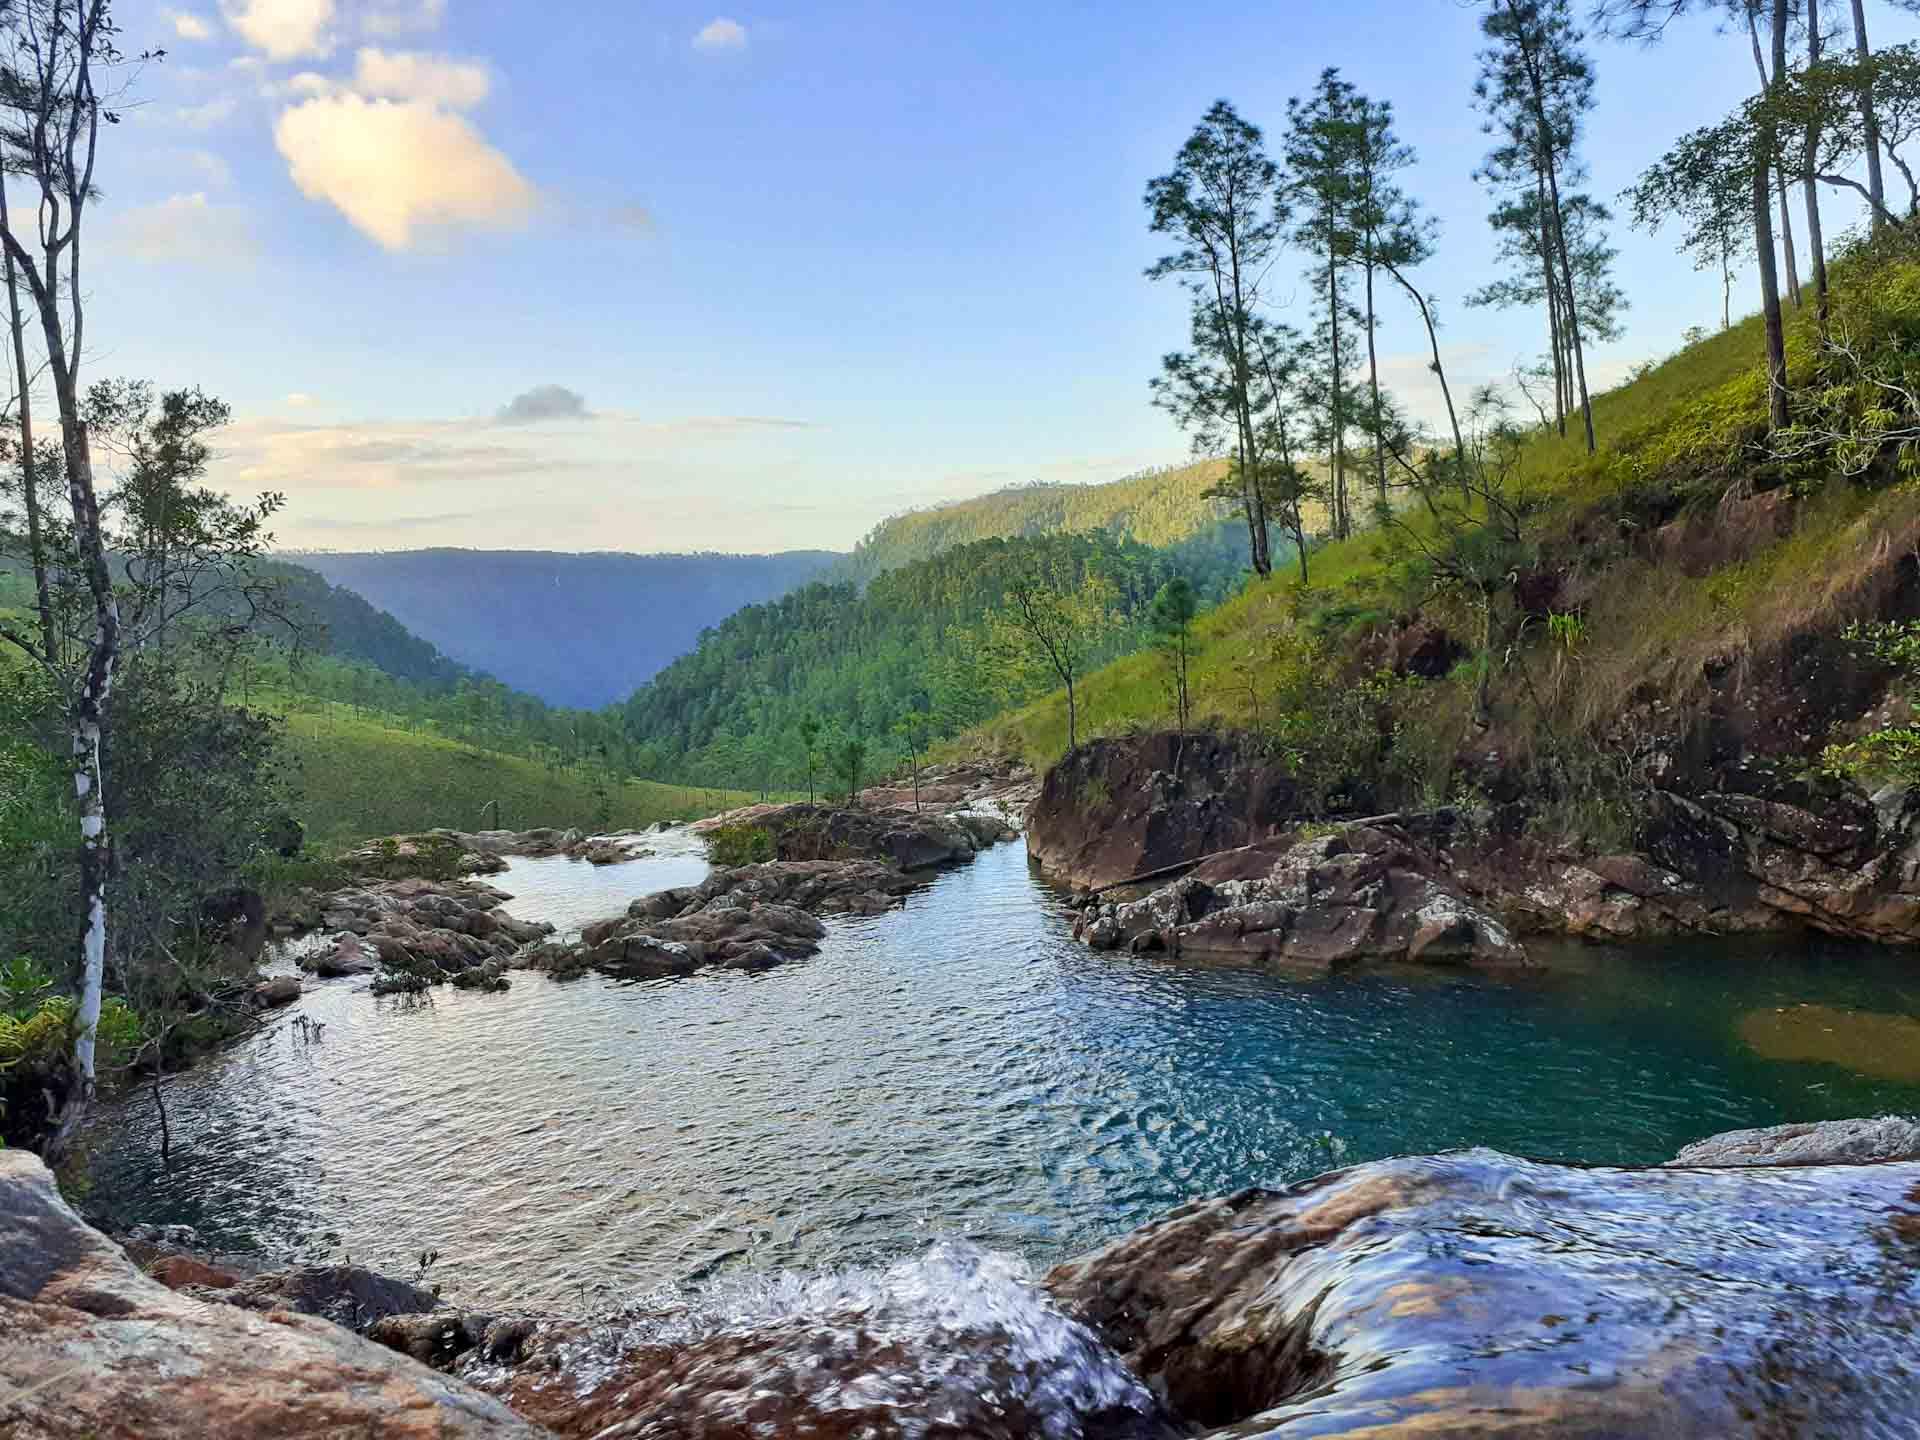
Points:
(1123, 807)
(91, 1349)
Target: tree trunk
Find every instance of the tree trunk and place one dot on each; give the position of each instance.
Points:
(1373, 388)
(1343, 525)
(1551, 289)
(1440, 373)
(1816, 243)
(1073, 718)
(1869, 119)
(29, 486)
(89, 725)
(1770, 294)
(1566, 273)
(1786, 241)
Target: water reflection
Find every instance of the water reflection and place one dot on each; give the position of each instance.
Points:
(958, 1068)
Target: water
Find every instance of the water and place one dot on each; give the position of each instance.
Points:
(957, 1070)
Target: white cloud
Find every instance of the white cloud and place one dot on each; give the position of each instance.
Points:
(395, 168)
(721, 34)
(387, 18)
(299, 399)
(185, 229)
(206, 116)
(282, 29)
(187, 25)
(211, 168)
(413, 75)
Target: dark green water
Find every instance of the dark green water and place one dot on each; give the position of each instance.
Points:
(960, 1068)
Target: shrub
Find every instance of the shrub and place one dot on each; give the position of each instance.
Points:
(733, 845)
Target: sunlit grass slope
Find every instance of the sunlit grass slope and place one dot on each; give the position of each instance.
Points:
(1685, 430)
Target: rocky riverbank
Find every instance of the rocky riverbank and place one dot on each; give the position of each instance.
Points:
(1765, 1284)
(1216, 826)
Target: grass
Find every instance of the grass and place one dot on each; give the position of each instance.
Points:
(361, 777)
(1677, 435)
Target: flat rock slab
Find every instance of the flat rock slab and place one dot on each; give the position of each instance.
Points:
(91, 1349)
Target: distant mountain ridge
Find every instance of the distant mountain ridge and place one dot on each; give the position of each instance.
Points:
(579, 630)
(1156, 508)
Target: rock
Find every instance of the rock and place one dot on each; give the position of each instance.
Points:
(429, 929)
(348, 1295)
(1474, 1294)
(707, 932)
(487, 976)
(278, 990)
(896, 837)
(177, 1272)
(349, 956)
(1824, 1142)
(91, 1349)
(1366, 894)
(1116, 808)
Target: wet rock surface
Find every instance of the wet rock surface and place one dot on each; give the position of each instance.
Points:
(1822, 1142)
(91, 1349)
(1475, 1294)
(1363, 894)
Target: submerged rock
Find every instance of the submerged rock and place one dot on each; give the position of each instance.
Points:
(1364, 894)
(91, 1349)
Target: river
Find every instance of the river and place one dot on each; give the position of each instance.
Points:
(957, 1069)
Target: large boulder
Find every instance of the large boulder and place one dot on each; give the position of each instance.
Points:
(1364, 894)
(902, 838)
(1117, 808)
(1474, 1295)
(705, 935)
(91, 1349)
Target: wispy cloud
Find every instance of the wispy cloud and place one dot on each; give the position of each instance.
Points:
(205, 116)
(188, 26)
(186, 229)
(413, 75)
(721, 33)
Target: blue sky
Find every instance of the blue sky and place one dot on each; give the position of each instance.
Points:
(802, 267)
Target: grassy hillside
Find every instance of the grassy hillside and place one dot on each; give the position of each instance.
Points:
(362, 774)
(1689, 565)
(1158, 507)
(575, 630)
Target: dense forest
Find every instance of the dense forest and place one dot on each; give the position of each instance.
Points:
(915, 650)
(578, 630)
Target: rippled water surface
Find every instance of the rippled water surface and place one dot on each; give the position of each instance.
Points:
(960, 1068)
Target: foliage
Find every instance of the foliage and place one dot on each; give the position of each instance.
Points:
(737, 708)
(1161, 507)
(1171, 620)
(733, 845)
(1892, 751)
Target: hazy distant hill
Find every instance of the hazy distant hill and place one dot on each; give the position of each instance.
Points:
(579, 630)
(1156, 507)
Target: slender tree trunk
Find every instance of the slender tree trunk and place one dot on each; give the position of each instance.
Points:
(1073, 717)
(1869, 118)
(1566, 277)
(1786, 215)
(1550, 288)
(1343, 525)
(1373, 388)
(1816, 243)
(29, 486)
(1769, 278)
(1440, 373)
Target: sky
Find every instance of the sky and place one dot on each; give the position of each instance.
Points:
(656, 276)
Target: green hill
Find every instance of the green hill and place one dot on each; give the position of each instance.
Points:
(1157, 507)
(856, 659)
(1681, 584)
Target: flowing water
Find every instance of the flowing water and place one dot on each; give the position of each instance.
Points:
(958, 1070)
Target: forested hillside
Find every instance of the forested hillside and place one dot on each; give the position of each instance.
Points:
(923, 644)
(578, 630)
(1156, 507)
